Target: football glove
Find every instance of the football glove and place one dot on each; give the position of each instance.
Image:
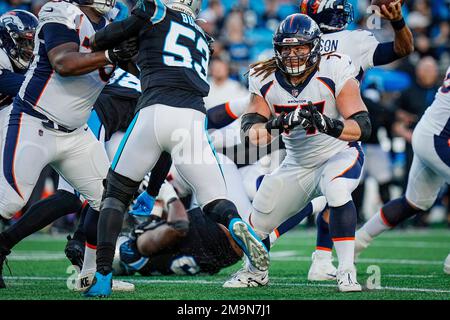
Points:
(324, 124)
(285, 122)
(143, 206)
(125, 51)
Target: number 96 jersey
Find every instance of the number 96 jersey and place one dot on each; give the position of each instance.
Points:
(173, 57)
(308, 148)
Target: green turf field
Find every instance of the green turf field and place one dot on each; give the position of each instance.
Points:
(410, 264)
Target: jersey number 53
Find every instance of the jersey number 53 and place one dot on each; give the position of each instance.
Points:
(179, 55)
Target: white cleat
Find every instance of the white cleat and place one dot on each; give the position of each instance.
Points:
(84, 281)
(322, 268)
(347, 282)
(447, 265)
(362, 241)
(245, 278)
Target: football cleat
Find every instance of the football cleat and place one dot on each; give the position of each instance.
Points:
(101, 286)
(245, 278)
(75, 252)
(362, 241)
(3, 254)
(322, 268)
(447, 265)
(346, 280)
(84, 281)
(250, 243)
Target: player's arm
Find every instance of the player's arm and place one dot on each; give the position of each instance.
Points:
(403, 43)
(62, 45)
(254, 121)
(10, 82)
(356, 125)
(223, 114)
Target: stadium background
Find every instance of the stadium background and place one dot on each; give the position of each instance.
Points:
(243, 32)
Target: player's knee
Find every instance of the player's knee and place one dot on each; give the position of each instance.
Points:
(420, 204)
(337, 195)
(10, 204)
(119, 188)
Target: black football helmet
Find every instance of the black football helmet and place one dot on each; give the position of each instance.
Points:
(17, 30)
(297, 30)
(330, 15)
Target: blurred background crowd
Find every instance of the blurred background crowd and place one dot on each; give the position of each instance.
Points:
(396, 95)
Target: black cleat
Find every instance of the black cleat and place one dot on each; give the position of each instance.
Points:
(3, 255)
(75, 252)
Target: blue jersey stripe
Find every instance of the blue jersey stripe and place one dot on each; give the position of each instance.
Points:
(95, 124)
(12, 139)
(124, 142)
(160, 12)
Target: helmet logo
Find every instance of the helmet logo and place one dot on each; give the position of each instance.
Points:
(290, 40)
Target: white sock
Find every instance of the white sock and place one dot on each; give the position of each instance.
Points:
(375, 225)
(323, 254)
(345, 251)
(89, 263)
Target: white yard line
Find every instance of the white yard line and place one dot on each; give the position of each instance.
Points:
(211, 282)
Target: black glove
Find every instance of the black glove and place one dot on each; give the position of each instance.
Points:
(124, 51)
(210, 41)
(324, 124)
(285, 122)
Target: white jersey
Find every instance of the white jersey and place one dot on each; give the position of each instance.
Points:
(359, 45)
(5, 63)
(67, 101)
(436, 120)
(312, 148)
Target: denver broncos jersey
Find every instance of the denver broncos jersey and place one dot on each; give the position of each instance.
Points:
(45, 94)
(6, 66)
(359, 45)
(173, 58)
(308, 148)
(436, 120)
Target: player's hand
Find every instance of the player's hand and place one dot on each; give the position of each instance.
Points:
(285, 122)
(324, 124)
(393, 12)
(143, 206)
(124, 51)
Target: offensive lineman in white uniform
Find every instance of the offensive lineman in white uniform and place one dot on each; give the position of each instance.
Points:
(47, 124)
(363, 48)
(429, 171)
(304, 95)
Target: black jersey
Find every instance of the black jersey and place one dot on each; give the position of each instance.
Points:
(115, 108)
(173, 58)
(205, 249)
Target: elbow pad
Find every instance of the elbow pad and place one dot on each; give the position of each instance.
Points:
(249, 119)
(115, 33)
(363, 120)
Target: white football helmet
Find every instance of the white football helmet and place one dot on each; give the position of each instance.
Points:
(101, 6)
(190, 7)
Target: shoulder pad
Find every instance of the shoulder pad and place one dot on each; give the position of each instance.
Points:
(61, 12)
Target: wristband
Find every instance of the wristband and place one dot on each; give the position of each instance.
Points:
(399, 24)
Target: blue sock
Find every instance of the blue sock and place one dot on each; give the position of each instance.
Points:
(324, 241)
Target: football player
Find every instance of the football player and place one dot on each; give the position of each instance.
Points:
(47, 124)
(183, 243)
(430, 170)
(173, 79)
(315, 102)
(333, 17)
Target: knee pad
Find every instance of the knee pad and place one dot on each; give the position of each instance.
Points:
(338, 193)
(120, 188)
